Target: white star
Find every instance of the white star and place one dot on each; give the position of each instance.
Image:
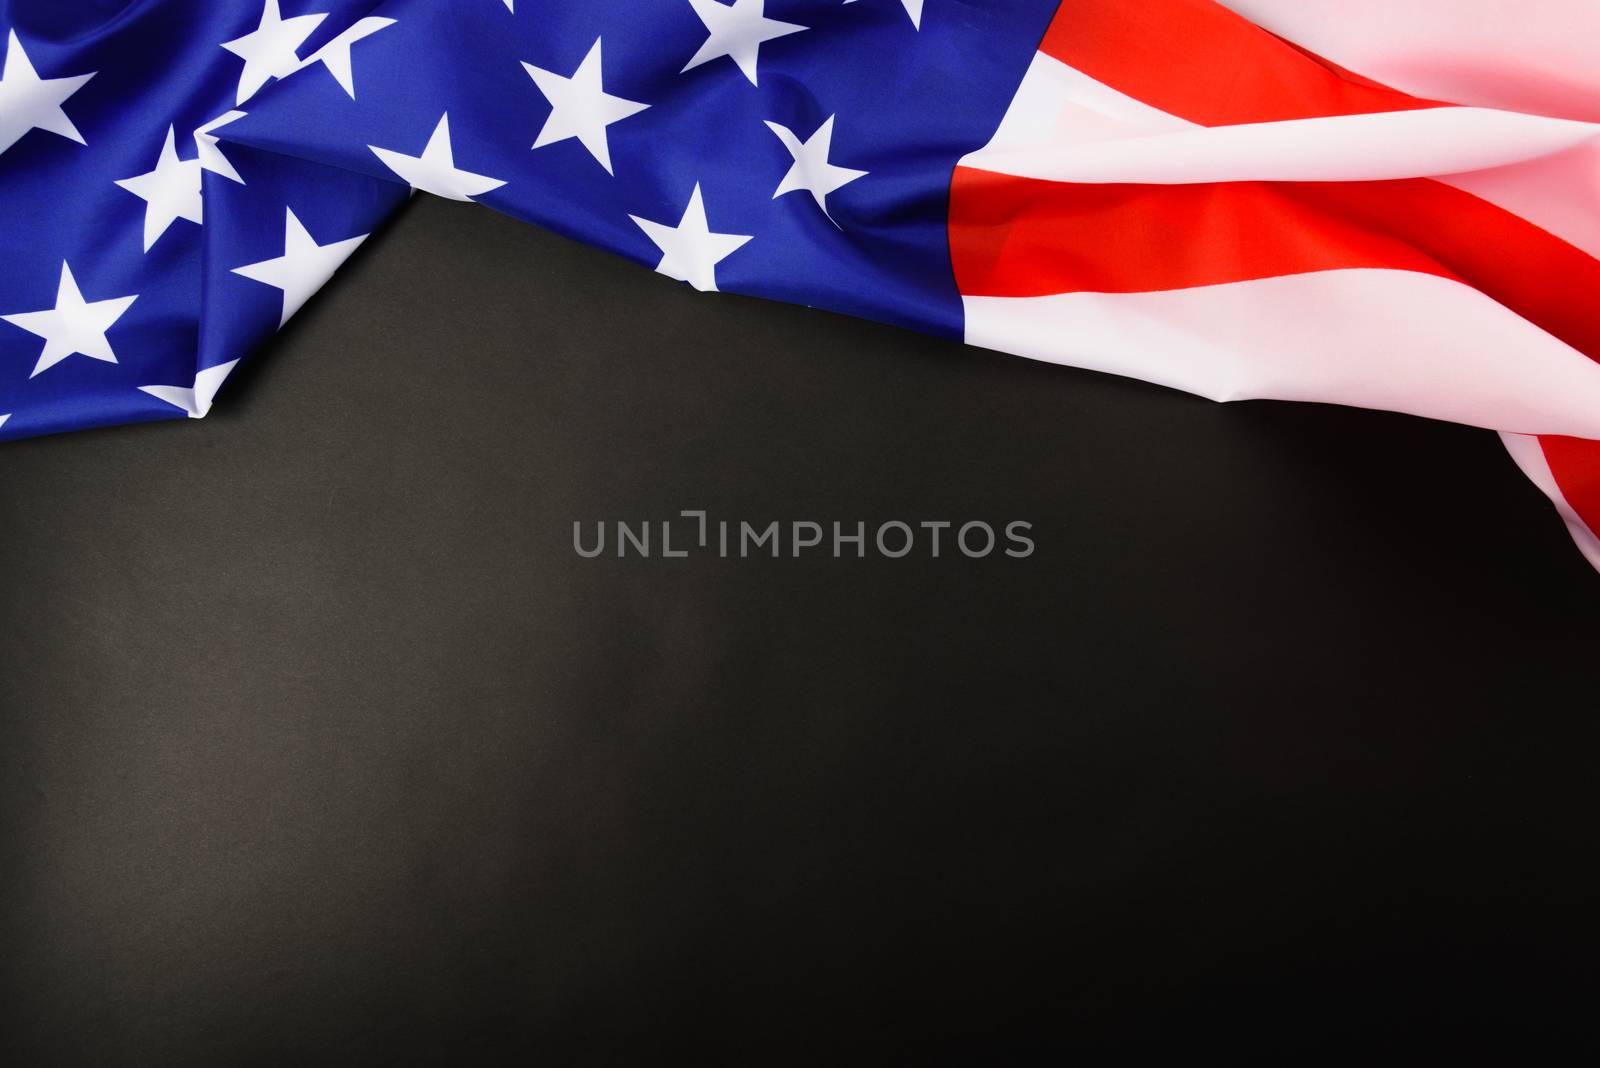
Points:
(29, 102)
(690, 251)
(270, 50)
(335, 55)
(4, 417)
(811, 170)
(435, 170)
(195, 399)
(74, 325)
(170, 192)
(303, 267)
(580, 107)
(205, 143)
(737, 32)
(511, 6)
(913, 8)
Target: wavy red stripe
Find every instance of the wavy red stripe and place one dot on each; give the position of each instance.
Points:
(1020, 237)
(1575, 463)
(1198, 60)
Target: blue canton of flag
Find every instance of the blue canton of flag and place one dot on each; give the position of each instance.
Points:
(177, 177)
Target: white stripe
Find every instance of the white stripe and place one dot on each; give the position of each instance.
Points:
(1530, 456)
(1392, 340)
(1340, 148)
(1058, 105)
(1537, 56)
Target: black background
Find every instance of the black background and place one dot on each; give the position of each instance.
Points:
(320, 745)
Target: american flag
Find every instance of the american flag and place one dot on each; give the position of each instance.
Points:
(1391, 204)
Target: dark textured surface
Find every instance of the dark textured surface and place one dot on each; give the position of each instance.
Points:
(321, 746)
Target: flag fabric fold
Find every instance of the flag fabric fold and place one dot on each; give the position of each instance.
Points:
(1392, 204)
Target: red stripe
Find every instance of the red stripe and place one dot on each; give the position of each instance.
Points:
(1575, 463)
(1021, 237)
(1198, 60)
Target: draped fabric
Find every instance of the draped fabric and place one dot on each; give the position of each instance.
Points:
(1391, 204)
